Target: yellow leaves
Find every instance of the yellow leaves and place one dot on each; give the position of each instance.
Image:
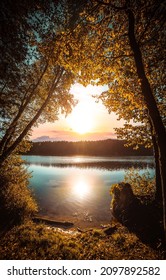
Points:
(142, 185)
(91, 19)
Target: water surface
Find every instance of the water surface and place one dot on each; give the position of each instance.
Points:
(77, 188)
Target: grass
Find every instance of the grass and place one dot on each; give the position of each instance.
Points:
(38, 241)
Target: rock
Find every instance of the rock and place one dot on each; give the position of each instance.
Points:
(140, 218)
(123, 202)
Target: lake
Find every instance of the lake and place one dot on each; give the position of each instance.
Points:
(77, 188)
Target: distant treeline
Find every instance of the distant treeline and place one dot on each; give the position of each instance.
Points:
(92, 148)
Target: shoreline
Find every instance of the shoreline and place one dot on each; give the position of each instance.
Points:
(71, 224)
(53, 222)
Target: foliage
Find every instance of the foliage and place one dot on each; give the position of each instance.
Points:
(122, 45)
(35, 87)
(142, 185)
(16, 201)
(102, 53)
(31, 241)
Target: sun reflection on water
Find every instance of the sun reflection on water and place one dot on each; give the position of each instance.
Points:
(77, 159)
(81, 188)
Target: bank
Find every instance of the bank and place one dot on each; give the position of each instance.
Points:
(36, 241)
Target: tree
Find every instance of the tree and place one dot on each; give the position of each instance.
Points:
(122, 45)
(34, 83)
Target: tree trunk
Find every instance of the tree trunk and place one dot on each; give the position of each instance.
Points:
(9, 150)
(13, 124)
(158, 194)
(153, 112)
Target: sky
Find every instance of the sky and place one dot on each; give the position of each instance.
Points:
(89, 120)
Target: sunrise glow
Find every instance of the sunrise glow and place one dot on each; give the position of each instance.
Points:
(89, 119)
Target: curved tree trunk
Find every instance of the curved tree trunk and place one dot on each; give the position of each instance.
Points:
(6, 138)
(159, 132)
(10, 149)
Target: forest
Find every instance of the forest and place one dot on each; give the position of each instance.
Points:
(92, 148)
(46, 47)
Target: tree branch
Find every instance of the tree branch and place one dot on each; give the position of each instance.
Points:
(148, 23)
(9, 150)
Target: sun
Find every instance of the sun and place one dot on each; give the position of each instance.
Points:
(83, 119)
(80, 120)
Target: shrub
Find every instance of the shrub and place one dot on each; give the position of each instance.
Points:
(16, 201)
(143, 186)
(134, 206)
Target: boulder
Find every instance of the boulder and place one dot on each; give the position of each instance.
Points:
(143, 219)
